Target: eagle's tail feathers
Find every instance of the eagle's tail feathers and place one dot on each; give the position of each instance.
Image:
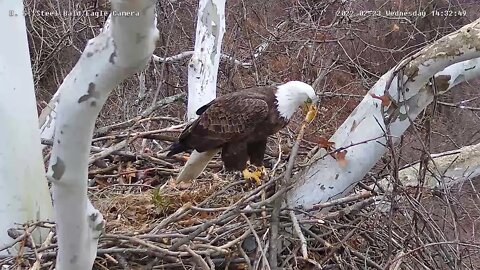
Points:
(196, 163)
(176, 148)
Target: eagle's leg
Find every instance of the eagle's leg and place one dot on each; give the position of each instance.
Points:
(256, 152)
(235, 158)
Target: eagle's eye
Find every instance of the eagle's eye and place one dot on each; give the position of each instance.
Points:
(309, 100)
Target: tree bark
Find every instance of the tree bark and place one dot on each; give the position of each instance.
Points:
(444, 170)
(203, 66)
(124, 47)
(24, 194)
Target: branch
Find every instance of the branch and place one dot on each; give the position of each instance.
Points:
(443, 170)
(181, 56)
(409, 91)
(275, 242)
(159, 104)
(298, 232)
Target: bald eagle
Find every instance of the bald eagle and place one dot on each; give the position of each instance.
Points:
(239, 124)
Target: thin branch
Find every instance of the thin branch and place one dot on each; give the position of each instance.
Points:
(183, 55)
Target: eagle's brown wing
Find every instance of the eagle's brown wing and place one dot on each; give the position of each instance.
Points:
(226, 119)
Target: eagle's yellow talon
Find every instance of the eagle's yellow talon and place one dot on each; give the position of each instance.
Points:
(263, 170)
(247, 175)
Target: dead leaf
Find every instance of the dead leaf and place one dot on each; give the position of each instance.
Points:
(395, 27)
(182, 185)
(340, 157)
(101, 182)
(205, 215)
(385, 99)
(324, 143)
(189, 221)
(129, 172)
(185, 196)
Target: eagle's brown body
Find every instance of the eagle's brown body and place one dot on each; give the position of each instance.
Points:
(239, 123)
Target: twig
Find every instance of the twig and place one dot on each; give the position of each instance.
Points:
(18, 239)
(298, 232)
(36, 265)
(140, 134)
(351, 198)
(110, 258)
(238, 239)
(245, 256)
(228, 213)
(186, 54)
(149, 245)
(275, 220)
(160, 103)
(459, 106)
(197, 258)
(110, 150)
(46, 243)
(170, 218)
(259, 243)
(368, 261)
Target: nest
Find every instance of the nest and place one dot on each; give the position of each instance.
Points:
(216, 222)
(219, 221)
(222, 222)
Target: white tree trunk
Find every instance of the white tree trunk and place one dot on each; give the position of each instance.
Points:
(203, 66)
(365, 128)
(123, 48)
(202, 74)
(24, 194)
(444, 170)
(49, 113)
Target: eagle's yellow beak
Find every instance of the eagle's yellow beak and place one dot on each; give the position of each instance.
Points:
(310, 110)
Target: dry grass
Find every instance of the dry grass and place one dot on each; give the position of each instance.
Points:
(130, 209)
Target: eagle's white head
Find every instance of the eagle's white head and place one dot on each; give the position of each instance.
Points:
(292, 95)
